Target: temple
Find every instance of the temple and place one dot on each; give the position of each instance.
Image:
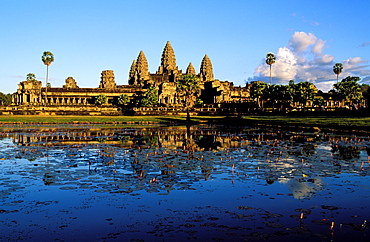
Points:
(32, 98)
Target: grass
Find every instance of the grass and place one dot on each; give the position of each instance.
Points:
(98, 119)
(337, 122)
(324, 122)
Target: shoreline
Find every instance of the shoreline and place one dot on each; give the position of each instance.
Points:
(304, 123)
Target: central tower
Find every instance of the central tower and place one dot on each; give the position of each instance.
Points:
(168, 61)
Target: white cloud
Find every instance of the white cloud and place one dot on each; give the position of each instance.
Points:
(319, 46)
(303, 59)
(284, 68)
(300, 41)
(354, 67)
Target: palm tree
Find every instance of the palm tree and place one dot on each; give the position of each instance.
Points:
(30, 77)
(188, 88)
(123, 99)
(47, 58)
(101, 99)
(270, 59)
(150, 98)
(337, 68)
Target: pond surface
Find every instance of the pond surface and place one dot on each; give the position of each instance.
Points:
(210, 183)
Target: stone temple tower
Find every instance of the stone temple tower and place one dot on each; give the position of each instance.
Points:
(168, 60)
(139, 72)
(107, 80)
(206, 70)
(190, 70)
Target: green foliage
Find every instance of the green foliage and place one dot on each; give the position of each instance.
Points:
(123, 99)
(348, 89)
(303, 92)
(101, 99)
(318, 101)
(150, 98)
(337, 69)
(278, 94)
(270, 58)
(5, 99)
(258, 91)
(47, 58)
(31, 77)
(365, 88)
(188, 88)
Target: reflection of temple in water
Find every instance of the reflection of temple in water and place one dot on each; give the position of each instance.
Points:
(167, 153)
(171, 138)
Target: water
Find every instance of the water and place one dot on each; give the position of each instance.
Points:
(210, 183)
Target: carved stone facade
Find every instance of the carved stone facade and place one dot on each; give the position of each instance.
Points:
(70, 83)
(206, 70)
(190, 70)
(28, 93)
(107, 80)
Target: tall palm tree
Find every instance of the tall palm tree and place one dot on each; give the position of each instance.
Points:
(47, 58)
(337, 68)
(270, 59)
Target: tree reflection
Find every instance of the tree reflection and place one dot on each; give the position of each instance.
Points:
(347, 152)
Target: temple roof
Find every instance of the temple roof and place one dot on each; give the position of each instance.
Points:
(168, 60)
(142, 69)
(206, 70)
(190, 70)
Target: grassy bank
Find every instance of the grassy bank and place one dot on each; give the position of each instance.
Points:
(359, 123)
(321, 122)
(100, 119)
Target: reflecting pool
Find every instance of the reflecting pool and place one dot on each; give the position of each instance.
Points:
(159, 183)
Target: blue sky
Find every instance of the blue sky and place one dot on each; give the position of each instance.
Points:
(87, 37)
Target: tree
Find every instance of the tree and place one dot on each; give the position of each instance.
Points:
(5, 99)
(30, 77)
(365, 88)
(318, 101)
(257, 91)
(150, 97)
(123, 99)
(101, 99)
(337, 68)
(47, 58)
(278, 94)
(188, 88)
(349, 90)
(304, 91)
(270, 59)
(290, 92)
